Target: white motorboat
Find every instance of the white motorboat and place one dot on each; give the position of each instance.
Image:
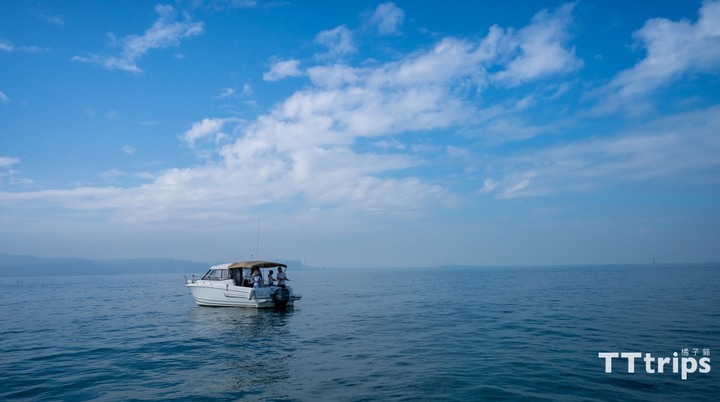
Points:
(233, 285)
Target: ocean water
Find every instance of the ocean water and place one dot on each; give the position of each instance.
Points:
(453, 334)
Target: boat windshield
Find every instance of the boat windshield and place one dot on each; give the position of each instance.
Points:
(217, 275)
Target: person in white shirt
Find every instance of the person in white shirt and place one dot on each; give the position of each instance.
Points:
(257, 279)
(281, 277)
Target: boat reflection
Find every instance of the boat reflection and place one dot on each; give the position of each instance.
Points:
(246, 346)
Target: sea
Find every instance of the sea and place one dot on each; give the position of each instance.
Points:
(395, 334)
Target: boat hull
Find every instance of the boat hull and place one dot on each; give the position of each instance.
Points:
(226, 294)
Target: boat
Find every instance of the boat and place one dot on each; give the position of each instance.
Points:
(232, 285)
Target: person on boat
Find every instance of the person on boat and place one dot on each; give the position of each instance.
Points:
(271, 280)
(281, 277)
(257, 279)
(237, 277)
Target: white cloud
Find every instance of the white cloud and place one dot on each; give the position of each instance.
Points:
(339, 41)
(10, 47)
(7, 170)
(509, 128)
(7, 161)
(488, 186)
(145, 175)
(128, 150)
(223, 4)
(112, 173)
(674, 49)
(390, 145)
(387, 18)
(54, 19)
(226, 93)
(4, 98)
(283, 69)
(32, 49)
(539, 49)
(447, 62)
(367, 111)
(203, 129)
(455, 152)
(212, 128)
(333, 76)
(244, 3)
(166, 31)
(680, 149)
(6, 46)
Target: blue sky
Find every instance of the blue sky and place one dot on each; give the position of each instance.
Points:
(367, 134)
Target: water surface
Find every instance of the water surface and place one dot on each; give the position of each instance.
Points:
(453, 334)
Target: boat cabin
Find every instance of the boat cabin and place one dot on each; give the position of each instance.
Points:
(240, 273)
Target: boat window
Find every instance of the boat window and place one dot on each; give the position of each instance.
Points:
(217, 274)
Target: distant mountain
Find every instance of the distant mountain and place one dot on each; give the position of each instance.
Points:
(23, 265)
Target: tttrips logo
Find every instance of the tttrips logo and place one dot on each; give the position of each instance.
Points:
(684, 363)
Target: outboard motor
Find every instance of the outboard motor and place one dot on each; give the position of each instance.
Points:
(281, 297)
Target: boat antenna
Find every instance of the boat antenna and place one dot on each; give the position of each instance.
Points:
(257, 241)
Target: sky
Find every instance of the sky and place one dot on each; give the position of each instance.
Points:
(361, 134)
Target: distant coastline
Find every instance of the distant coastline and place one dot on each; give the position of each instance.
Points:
(25, 265)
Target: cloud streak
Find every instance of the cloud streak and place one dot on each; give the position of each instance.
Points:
(167, 31)
(387, 19)
(6, 161)
(207, 128)
(539, 49)
(10, 47)
(283, 69)
(339, 41)
(673, 49)
(678, 150)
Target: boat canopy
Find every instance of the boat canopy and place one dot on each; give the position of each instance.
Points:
(256, 264)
